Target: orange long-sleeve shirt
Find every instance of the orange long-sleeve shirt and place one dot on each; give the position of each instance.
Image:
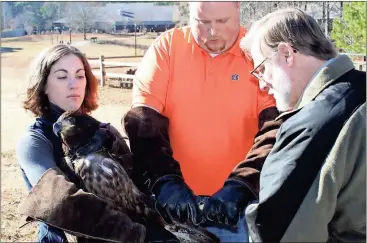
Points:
(212, 105)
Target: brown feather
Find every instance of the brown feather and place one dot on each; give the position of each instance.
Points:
(103, 167)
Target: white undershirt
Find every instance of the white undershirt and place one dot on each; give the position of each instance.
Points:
(214, 54)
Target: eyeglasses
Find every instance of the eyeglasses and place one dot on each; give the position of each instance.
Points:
(259, 73)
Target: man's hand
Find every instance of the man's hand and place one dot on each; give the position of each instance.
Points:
(176, 201)
(225, 206)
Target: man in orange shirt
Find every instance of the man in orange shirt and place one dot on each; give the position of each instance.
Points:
(195, 112)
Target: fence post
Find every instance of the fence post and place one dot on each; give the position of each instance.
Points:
(101, 67)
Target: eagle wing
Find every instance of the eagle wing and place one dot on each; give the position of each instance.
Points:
(119, 149)
(108, 180)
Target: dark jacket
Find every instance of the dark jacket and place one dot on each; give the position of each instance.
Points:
(313, 182)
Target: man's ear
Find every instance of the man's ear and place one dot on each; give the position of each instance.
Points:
(286, 50)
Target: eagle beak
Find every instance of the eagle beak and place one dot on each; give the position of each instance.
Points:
(56, 128)
(104, 125)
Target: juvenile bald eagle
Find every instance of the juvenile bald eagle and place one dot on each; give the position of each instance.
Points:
(99, 161)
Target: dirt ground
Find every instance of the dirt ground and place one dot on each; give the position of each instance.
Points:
(16, 56)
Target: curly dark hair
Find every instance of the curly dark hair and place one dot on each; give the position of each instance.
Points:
(37, 101)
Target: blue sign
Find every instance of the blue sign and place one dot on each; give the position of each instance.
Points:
(126, 13)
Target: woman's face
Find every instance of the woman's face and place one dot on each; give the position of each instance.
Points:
(66, 83)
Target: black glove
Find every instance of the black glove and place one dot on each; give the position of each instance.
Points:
(225, 206)
(176, 201)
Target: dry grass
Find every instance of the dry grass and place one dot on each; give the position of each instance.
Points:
(12, 192)
(31, 45)
(114, 102)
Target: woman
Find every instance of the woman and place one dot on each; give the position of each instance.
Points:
(62, 80)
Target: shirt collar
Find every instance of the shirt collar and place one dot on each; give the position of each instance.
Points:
(326, 75)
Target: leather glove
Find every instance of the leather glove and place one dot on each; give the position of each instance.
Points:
(157, 233)
(176, 201)
(148, 133)
(225, 206)
(57, 201)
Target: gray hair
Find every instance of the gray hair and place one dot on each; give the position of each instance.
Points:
(292, 26)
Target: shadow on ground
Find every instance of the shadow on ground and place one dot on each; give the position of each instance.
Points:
(10, 49)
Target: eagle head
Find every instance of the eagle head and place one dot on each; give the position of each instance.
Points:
(75, 128)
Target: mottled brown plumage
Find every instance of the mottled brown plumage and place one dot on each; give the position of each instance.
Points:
(99, 161)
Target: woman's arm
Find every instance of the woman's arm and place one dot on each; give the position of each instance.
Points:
(57, 201)
(35, 155)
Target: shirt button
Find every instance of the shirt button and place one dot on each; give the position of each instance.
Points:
(210, 72)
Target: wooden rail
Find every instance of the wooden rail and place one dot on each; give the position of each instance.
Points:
(120, 64)
(360, 63)
(114, 57)
(126, 78)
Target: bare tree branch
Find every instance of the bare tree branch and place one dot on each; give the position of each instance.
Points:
(83, 16)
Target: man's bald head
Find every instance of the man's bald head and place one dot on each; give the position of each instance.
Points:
(195, 5)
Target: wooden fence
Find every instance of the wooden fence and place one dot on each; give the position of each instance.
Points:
(359, 61)
(360, 65)
(103, 65)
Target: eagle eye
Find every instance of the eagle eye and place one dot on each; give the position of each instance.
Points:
(71, 119)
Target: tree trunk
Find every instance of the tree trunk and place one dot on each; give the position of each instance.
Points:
(323, 14)
(254, 13)
(85, 34)
(341, 9)
(327, 19)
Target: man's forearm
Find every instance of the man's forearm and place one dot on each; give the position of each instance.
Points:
(248, 170)
(149, 142)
